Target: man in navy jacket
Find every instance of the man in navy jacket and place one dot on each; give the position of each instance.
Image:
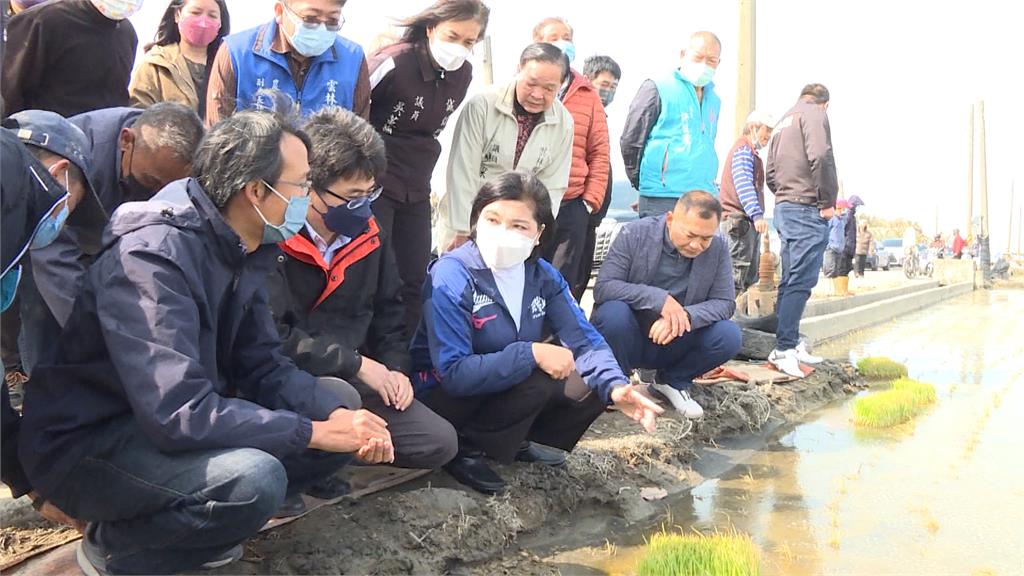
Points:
(171, 421)
(664, 297)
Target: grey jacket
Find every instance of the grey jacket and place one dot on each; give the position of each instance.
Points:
(632, 263)
(801, 168)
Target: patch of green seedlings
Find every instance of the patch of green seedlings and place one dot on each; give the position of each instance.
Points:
(881, 368)
(728, 554)
(906, 399)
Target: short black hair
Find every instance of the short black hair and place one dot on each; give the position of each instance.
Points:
(816, 93)
(704, 202)
(344, 146)
(522, 186)
(593, 66)
(544, 52)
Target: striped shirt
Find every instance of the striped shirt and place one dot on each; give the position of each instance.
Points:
(743, 177)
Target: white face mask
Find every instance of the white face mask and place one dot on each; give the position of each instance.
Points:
(117, 9)
(449, 55)
(697, 73)
(501, 247)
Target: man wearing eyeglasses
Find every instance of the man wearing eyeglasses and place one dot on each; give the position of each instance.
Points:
(299, 53)
(668, 142)
(336, 294)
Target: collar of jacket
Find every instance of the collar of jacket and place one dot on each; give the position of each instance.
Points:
(302, 248)
(427, 69)
(264, 46)
(708, 88)
(171, 58)
(579, 83)
(506, 104)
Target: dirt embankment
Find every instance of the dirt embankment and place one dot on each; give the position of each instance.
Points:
(434, 526)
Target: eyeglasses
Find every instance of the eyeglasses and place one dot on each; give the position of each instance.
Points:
(303, 187)
(312, 22)
(361, 200)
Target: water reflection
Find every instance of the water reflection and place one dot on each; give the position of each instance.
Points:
(944, 495)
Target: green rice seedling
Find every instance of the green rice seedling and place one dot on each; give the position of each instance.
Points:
(884, 409)
(729, 554)
(880, 368)
(923, 394)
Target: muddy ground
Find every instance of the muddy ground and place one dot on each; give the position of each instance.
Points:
(432, 525)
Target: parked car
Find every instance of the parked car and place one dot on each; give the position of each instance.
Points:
(889, 252)
(620, 212)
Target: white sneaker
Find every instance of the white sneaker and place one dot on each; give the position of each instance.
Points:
(786, 361)
(680, 400)
(804, 356)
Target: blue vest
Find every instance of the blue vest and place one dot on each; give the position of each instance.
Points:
(680, 153)
(331, 80)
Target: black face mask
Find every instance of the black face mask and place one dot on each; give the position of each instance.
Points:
(606, 96)
(131, 188)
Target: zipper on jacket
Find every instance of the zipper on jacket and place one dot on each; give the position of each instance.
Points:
(664, 164)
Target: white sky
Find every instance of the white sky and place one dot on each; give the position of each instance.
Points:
(902, 74)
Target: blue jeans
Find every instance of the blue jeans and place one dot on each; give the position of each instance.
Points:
(804, 235)
(154, 512)
(679, 362)
(656, 206)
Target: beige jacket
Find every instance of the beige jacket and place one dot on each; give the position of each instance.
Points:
(163, 76)
(484, 146)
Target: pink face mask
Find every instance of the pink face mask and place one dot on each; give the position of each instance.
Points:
(198, 29)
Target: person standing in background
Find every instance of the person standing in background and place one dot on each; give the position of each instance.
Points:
(802, 174)
(742, 197)
(417, 84)
(299, 53)
(176, 65)
(519, 126)
(588, 177)
(865, 241)
(71, 56)
(668, 142)
(958, 244)
(604, 73)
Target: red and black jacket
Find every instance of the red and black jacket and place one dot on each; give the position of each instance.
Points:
(328, 314)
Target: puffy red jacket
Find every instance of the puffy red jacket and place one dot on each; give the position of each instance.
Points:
(590, 161)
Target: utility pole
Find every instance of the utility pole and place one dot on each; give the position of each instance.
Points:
(986, 248)
(1009, 239)
(746, 64)
(488, 62)
(970, 178)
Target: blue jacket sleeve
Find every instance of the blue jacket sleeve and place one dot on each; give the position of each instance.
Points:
(449, 319)
(594, 359)
(613, 278)
(148, 314)
(721, 300)
(262, 373)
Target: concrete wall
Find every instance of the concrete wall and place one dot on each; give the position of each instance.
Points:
(949, 271)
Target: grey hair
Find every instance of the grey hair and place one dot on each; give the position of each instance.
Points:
(241, 149)
(171, 126)
(344, 146)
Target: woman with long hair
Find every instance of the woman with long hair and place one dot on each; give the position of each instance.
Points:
(417, 83)
(176, 65)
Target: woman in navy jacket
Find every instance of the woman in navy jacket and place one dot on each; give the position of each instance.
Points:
(481, 355)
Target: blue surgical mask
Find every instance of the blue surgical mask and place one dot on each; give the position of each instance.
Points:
(697, 73)
(294, 218)
(567, 47)
(349, 222)
(9, 287)
(310, 42)
(49, 227)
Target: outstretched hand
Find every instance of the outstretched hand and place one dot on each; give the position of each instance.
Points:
(640, 408)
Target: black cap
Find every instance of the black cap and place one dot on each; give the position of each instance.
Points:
(54, 133)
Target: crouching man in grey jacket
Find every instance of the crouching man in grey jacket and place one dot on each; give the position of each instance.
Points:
(170, 419)
(664, 297)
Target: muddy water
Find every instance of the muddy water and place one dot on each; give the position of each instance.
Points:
(944, 495)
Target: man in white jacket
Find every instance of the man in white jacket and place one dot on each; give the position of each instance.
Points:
(521, 126)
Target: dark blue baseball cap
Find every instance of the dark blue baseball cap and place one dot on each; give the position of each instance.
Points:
(54, 133)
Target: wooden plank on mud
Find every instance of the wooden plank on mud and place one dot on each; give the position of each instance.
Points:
(59, 558)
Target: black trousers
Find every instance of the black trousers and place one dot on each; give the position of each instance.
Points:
(590, 244)
(859, 261)
(566, 253)
(408, 226)
(551, 412)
